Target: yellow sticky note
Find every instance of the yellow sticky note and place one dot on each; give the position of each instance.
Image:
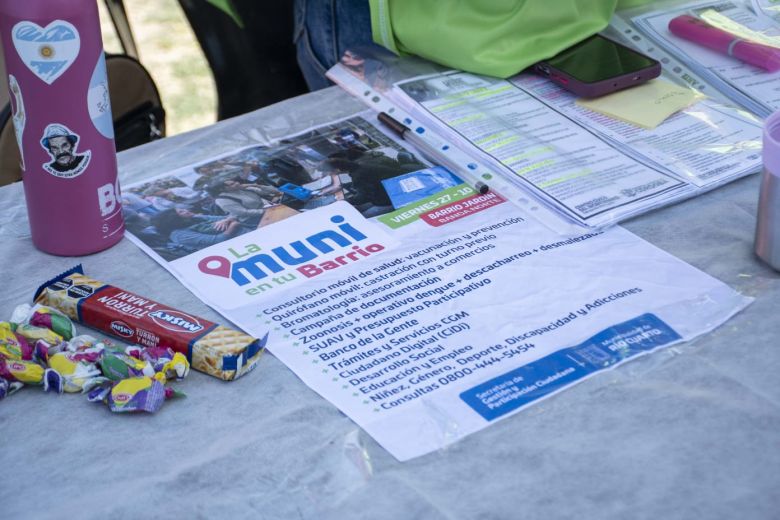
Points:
(647, 105)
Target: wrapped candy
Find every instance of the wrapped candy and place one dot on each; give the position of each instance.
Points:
(40, 346)
(26, 372)
(86, 348)
(84, 342)
(137, 394)
(21, 313)
(42, 351)
(8, 387)
(12, 345)
(46, 317)
(118, 365)
(139, 376)
(33, 334)
(150, 353)
(53, 381)
(53, 320)
(167, 364)
(77, 376)
(177, 368)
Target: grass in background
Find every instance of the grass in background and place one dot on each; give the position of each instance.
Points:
(168, 49)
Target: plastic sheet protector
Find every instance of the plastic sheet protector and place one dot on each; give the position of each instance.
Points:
(585, 167)
(425, 323)
(646, 105)
(748, 85)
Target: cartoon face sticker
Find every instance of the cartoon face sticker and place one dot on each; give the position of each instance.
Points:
(18, 113)
(61, 144)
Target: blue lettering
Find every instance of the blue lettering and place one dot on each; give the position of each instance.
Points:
(318, 241)
(258, 266)
(250, 266)
(305, 254)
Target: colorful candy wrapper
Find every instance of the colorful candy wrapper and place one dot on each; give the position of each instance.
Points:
(12, 345)
(137, 352)
(118, 365)
(42, 351)
(77, 376)
(39, 346)
(26, 372)
(152, 354)
(33, 334)
(170, 393)
(137, 394)
(54, 320)
(53, 381)
(8, 387)
(99, 393)
(89, 356)
(177, 368)
(86, 348)
(47, 317)
(82, 341)
(167, 364)
(21, 313)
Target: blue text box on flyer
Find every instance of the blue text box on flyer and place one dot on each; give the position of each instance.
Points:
(508, 392)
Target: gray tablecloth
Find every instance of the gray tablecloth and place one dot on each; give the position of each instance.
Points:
(690, 432)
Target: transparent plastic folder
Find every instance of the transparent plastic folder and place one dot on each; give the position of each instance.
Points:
(529, 133)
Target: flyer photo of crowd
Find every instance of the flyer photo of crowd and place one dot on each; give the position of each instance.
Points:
(198, 207)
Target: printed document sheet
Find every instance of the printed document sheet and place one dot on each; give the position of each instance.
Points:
(424, 323)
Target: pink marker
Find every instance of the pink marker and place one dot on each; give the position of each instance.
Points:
(700, 32)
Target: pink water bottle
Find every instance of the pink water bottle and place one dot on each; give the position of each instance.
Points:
(62, 118)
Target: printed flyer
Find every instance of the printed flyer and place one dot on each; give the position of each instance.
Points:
(423, 320)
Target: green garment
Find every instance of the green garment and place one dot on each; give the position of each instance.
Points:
(493, 37)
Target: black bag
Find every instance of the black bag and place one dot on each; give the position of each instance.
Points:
(138, 113)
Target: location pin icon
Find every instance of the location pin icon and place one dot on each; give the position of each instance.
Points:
(215, 265)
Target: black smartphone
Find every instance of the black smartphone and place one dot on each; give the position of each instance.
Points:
(597, 66)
